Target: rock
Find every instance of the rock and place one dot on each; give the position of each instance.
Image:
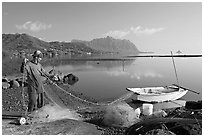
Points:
(70, 79)
(60, 76)
(20, 81)
(56, 75)
(5, 80)
(120, 115)
(193, 105)
(156, 114)
(55, 78)
(14, 84)
(178, 126)
(5, 85)
(160, 132)
(137, 112)
(159, 113)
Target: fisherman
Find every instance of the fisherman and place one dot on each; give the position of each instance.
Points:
(35, 77)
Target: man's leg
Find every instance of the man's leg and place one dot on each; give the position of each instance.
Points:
(40, 100)
(32, 104)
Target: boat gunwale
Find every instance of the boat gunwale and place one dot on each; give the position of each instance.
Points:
(157, 93)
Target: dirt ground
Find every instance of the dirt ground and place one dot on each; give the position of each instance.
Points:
(11, 102)
(60, 127)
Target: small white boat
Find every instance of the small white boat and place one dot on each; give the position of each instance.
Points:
(158, 94)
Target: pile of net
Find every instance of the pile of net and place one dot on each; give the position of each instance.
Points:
(63, 104)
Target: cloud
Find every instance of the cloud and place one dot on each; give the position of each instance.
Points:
(34, 26)
(117, 33)
(145, 31)
(135, 30)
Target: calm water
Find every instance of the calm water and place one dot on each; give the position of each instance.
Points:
(107, 80)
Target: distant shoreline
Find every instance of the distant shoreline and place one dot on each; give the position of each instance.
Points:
(166, 56)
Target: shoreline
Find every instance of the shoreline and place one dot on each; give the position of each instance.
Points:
(11, 101)
(190, 55)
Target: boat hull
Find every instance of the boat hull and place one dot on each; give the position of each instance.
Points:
(161, 95)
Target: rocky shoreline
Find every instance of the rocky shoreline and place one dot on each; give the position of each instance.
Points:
(12, 102)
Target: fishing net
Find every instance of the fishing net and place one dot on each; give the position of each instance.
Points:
(66, 99)
(62, 103)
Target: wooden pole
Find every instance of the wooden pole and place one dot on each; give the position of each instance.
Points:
(175, 69)
(23, 92)
(186, 89)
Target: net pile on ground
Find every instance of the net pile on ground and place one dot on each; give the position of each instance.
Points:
(63, 104)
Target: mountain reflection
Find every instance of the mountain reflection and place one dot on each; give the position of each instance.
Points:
(88, 64)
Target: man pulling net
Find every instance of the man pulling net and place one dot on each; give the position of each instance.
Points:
(61, 103)
(35, 74)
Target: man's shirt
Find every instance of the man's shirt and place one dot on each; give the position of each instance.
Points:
(35, 75)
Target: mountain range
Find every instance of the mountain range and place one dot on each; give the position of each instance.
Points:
(19, 42)
(110, 44)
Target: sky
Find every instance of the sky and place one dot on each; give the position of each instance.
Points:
(152, 26)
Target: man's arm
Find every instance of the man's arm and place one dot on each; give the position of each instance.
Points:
(44, 73)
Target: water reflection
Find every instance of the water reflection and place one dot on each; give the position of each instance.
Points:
(85, 65)
(108, 79)
(135, 75)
